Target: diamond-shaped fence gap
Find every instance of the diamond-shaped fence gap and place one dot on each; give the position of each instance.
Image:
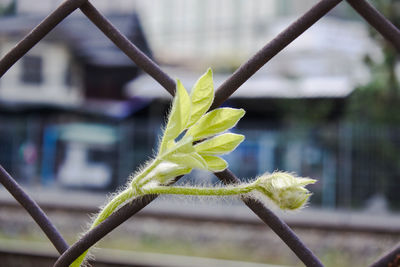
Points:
(295, 29)
(261, 58)
(387, 29)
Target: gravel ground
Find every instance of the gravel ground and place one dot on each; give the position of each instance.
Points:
(246, 242)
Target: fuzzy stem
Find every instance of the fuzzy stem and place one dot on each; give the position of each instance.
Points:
(200, 191)
(112, 206)
(104, 214)
(116, 202)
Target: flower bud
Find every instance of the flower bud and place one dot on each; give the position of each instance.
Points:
(284, 189)
(166, 171)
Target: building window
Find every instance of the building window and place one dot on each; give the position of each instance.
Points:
(68, 75)
(32, 69)
(72, 74)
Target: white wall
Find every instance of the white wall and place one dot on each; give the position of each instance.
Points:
(180, 30)
(53, 89)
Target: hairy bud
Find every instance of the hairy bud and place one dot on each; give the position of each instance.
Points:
(284, 189)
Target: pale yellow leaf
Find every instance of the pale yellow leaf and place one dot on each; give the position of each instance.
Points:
(214, 122)
(178, 117)
(189, 160)
(215, 164)
(202, 96)
(220, 144)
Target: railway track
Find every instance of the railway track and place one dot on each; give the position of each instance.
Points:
(193, 226)
(325, 220)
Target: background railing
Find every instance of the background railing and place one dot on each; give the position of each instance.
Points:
(240, 76)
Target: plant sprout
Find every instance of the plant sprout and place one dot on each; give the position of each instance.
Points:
(204, 139)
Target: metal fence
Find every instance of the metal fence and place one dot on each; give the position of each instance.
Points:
(240, 76)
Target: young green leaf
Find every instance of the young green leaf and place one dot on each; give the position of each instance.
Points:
(215, 164)
(215, 122)
(189, 160)
(179, 116)
(220, 144)
(184, 146)
(202, 97)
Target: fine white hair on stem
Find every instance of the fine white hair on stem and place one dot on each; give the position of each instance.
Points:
(199, 197)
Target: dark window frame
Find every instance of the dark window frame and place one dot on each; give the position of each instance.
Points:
(32, 69)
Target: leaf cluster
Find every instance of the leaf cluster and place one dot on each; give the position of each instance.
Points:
(203, 133)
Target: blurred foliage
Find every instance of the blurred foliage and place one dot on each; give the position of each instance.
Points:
(377, 101)
(374, 107)
(308, 110)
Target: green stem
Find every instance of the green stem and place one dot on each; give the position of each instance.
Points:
(200, 191)
(104, 214)
(116, 202)
(112, 206)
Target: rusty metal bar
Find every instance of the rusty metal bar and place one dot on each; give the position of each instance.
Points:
(392, 258)
(378, 21)
(34, 210)
(245, 71)
(134, 53)
(40, 31)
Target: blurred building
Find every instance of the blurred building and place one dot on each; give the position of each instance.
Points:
(77, 107)
(75, 62)
(63, 101)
